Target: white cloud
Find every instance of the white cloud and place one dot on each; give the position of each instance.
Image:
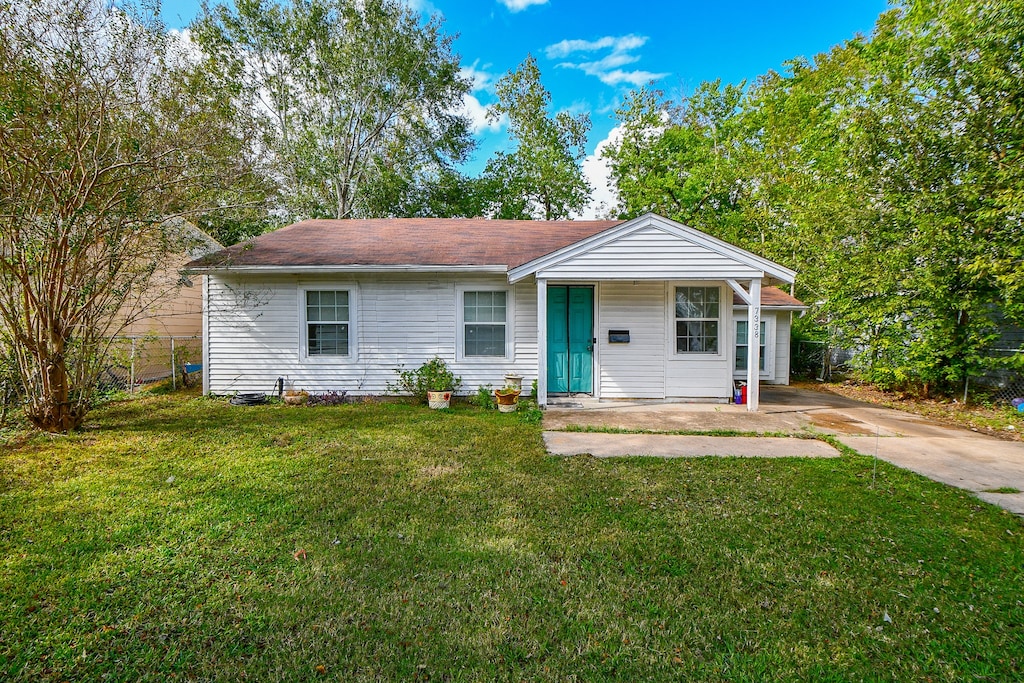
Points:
(595, 168)
(520, 5)
(422, 6)
(607, 68)
(618, 44)
(481, 78)
(477, 115)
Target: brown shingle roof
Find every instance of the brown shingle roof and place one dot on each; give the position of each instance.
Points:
(406, 241)
(770, 296)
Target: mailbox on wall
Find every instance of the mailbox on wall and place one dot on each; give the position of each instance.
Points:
(618, 336)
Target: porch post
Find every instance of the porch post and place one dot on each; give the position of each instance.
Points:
(542, 342)
(754, 345)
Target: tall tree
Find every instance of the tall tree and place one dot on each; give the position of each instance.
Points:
(355, 98)
(102, 135)
(681, 160)
(887, 171)
(543, 178)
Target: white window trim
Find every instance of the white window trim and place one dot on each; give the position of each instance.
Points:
(724, 321)
(353, 326)
(460, 329)
(740, 315)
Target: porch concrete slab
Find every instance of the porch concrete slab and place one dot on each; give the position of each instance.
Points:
(605, 445)
(964, 459)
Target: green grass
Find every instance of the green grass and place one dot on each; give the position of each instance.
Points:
(1002, 489)
(160, 542)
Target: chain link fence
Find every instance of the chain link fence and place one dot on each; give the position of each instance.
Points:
(136, 362)
(1002, 383)
(818, 360)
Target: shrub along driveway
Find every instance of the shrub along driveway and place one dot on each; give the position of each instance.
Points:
(991, 468)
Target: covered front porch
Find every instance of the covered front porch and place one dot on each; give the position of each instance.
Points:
(645, 311)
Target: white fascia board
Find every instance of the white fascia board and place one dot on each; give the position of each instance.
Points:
(671, 227)
(332, 270)
(766, 307)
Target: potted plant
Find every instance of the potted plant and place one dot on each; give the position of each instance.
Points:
(508, 398)
(295, 398)
(433, 381)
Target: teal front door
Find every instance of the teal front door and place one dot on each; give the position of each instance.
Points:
(570, 340)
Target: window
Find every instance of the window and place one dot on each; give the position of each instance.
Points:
(697, 317)
(484, 318)
(327, 323)
(742, 344)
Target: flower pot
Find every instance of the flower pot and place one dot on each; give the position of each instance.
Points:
(514, 380)
(296, 398)
(439, 399)
(508, 399)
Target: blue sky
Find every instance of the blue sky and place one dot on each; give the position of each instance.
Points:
(591, 53)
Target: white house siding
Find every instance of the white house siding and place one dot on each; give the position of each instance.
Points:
(650, 254)
(701, 375)
(636, 369)
(255, 332)
(777, 355)
(783, 323)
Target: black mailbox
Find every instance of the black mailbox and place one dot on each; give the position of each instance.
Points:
(618, 336)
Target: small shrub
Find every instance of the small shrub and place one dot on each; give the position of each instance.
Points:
(330, 398)
(433, 375)
(483, 398)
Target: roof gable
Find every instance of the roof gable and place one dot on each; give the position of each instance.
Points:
(653, 247)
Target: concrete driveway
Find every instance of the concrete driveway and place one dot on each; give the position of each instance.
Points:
(951, 455)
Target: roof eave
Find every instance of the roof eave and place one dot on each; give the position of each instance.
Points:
(493, 269)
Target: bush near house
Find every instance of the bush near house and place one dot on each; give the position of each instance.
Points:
(190, 539)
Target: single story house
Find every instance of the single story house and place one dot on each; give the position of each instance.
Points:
(641, 309)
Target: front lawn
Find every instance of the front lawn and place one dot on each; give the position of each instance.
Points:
(184, 538)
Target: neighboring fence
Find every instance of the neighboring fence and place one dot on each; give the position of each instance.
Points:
(1001, 384)
(139, 361)
(816, 359)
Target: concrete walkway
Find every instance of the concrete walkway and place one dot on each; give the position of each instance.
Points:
(669, 446)
(951, 455)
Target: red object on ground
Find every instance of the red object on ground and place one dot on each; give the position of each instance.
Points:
(743, 395)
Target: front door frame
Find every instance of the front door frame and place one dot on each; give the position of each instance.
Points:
(591, 340)
(542, 335)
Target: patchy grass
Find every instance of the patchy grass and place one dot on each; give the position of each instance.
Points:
(184, 538)
(1002, 489)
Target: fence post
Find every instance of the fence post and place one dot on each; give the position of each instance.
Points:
(174, 380)
(131, 370)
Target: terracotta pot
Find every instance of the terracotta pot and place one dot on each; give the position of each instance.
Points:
(507, 397)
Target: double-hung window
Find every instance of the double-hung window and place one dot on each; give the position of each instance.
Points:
(742, 344)
(328, 322)
(697, 316)
(484, 324)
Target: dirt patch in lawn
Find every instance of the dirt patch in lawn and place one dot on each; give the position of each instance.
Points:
(839, 423)
(997, 420)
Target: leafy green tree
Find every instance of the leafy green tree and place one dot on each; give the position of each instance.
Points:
(355, 99)
(886, 171)
(681, 161)
(543, 178)
(103, 136)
